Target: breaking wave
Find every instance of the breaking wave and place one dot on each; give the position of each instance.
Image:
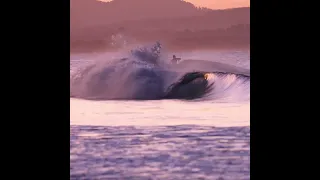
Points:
(145, 75)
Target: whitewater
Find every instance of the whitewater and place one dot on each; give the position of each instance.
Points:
(122, 126)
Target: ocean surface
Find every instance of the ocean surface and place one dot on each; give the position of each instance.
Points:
(163, 139)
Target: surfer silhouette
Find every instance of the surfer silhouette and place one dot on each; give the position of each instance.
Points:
(175, 60)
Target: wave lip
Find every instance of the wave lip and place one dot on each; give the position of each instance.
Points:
(191, 86)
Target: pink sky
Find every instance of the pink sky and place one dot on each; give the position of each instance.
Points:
(218, 4)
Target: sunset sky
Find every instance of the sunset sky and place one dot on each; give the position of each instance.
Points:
(218, 4)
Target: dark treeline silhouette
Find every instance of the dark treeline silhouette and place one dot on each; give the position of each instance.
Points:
(177, 23)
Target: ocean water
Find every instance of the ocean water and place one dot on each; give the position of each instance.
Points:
(164, 139)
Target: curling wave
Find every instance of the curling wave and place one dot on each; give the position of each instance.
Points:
(146, 75)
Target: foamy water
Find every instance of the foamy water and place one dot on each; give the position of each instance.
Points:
(154, 113)
(161, 139)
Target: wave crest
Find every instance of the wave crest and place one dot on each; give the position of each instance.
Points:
(145, 75)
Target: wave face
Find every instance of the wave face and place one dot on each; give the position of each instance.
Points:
(145, 75)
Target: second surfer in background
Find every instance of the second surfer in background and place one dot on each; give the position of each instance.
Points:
(175, 60)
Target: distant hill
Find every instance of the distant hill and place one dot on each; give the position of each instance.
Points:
(212, 19)
(92, 21)
(92, 12)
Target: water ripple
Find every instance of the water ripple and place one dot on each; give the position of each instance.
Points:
(162, 152)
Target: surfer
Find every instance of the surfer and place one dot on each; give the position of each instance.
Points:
(175, 60)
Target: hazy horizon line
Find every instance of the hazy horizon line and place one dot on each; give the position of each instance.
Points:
(214, 5)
